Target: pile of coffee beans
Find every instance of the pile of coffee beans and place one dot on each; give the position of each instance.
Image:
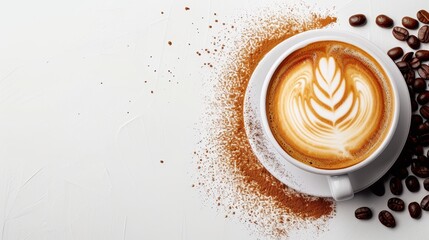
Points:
(415, 70)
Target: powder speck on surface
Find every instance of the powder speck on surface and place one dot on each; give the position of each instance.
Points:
(229, 175)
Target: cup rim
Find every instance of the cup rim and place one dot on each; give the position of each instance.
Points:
(350, 38)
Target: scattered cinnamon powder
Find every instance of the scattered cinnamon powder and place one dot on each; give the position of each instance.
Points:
(229, 174)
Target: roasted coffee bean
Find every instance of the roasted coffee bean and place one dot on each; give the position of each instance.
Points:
(423, 34)
(415, 210)
(400, 172)
(410, 23)
(423, 98)
(423, 16)
(395, 53)
(423, 71)
(387, 219)
(426, 123)
(419, 85)
(357, 20)
(412, 184)
(418, 159)
(396, 204)
(419, 169)
(415, 63)
(424, 204)
(424, 111)
(408, 56)
(409, 79)
(378, 188)
(384, 21)
(423, 55)
(403, 66)
(363, 213)
(413, 42)
(396, 186)
(400, 33)
(416, 120)
(421, 129)
(423, 160)
(426, 184)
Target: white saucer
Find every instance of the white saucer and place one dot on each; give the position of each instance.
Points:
(294, 177)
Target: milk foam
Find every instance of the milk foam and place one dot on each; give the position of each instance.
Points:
(332, 117)
(327, 109)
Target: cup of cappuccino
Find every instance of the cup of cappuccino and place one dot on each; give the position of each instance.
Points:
(330, 106)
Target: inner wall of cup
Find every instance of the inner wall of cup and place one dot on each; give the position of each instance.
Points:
(375, 53)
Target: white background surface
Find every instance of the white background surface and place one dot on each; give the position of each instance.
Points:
(81, 160)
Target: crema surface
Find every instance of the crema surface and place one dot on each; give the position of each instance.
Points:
(330, 105)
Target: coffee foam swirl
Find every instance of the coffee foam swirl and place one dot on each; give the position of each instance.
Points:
(328, 106)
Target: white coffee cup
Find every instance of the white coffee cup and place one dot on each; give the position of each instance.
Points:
(338, 179)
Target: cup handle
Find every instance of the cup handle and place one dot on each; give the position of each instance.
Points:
(341, 188)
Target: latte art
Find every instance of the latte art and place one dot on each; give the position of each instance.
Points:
(327, 105)
(326, 110)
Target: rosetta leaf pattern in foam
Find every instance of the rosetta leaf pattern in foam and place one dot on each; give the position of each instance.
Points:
(328, 107)
(331, 102)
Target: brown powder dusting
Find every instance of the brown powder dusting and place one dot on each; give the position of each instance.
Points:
(170, 43)
(187, 8)
(229, 174)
